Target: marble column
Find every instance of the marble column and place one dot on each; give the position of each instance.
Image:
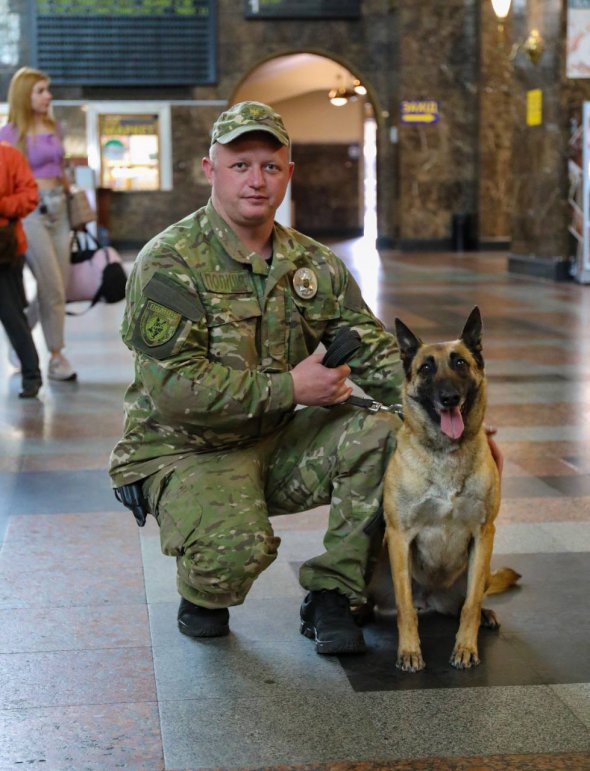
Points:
(539, 152)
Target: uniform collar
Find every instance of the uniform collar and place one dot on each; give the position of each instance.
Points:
(285, 249)
(232, 244)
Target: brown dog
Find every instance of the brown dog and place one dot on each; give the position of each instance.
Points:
(442, 494)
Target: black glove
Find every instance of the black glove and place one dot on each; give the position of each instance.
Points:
(346, 342)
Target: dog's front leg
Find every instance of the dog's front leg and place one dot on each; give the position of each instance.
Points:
(409, 655)
(465, 652)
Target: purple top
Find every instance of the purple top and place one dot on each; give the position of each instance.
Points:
(45, 152)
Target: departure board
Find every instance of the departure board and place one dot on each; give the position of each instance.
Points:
(302, 9)
(136, 42)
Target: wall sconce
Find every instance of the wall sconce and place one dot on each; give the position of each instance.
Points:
(534, 46)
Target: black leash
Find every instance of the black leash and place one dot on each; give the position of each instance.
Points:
(344, 345)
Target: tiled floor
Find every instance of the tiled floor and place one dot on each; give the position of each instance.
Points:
(94, 674)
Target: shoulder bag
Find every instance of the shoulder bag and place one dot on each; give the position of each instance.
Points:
(96, 273)
(80, 212)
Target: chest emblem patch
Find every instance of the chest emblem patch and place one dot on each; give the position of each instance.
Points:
(158, 323)
(305, 283)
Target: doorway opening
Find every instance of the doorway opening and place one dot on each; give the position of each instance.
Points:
(330, 119)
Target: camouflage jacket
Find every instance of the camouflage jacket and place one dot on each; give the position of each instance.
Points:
(215, 330)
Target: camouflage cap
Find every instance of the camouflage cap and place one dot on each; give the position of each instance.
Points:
(245, 117)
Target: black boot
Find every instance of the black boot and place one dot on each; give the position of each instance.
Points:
(195, 621)
(326, 618)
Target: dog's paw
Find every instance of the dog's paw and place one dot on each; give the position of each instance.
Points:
(489, 620)
(410, 661)
(464, 657)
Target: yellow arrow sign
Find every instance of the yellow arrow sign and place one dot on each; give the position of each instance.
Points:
(418, 118)
(420, 111)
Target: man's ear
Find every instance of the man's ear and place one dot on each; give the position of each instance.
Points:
(207, 166)
(408, 344)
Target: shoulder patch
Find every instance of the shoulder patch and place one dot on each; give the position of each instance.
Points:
(353, 299)
(158, 324)
(166, 291)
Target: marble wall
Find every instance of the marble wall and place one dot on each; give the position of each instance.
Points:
(496, 118)
(480, 158)
(539, 227)
(438, 163)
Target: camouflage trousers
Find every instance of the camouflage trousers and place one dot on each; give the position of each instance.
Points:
(214, 508)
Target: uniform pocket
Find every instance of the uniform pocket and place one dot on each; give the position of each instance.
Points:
(233, 321)
(230, 308)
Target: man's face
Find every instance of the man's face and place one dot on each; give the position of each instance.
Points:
(248, 179)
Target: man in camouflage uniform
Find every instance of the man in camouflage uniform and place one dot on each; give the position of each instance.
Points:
(225, 310)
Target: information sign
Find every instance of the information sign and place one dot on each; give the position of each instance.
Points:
(421, 111)
(138, 42)
(302, 9)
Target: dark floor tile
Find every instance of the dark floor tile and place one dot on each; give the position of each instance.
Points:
(552, 377)
(579, 462)
(571, 485)
(545, 510)
(44, 492)
(529, 487)
(537, 624)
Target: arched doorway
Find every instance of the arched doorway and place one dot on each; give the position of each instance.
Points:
(333, 142)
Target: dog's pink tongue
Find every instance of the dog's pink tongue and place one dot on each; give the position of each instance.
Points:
(451, 422)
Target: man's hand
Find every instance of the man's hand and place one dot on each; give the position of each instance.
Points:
(317, 386)
(496, 454)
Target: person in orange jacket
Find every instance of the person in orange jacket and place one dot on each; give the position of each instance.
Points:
(18, 197)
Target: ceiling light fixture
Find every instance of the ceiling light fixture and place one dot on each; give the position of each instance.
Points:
(358, 87)
(501, 8)
(341, 95)
(338, 96)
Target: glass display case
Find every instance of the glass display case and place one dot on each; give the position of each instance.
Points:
(129, 146)
(129, 152)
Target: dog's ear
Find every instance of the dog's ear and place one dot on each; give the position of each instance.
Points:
(408, 344)
(471, 335)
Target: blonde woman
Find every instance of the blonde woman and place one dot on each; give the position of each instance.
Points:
(32, 129)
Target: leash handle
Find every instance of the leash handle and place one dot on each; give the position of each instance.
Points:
(342, 347)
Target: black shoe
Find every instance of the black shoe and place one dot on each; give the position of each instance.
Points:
(29, 391)
(195, 621)
(326, 618)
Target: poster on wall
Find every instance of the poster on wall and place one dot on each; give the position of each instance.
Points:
(578, 39)
(129, 152)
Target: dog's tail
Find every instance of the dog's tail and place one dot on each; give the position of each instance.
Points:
(501, 580)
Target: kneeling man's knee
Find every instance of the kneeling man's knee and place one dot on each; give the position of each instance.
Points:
(222, 567)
